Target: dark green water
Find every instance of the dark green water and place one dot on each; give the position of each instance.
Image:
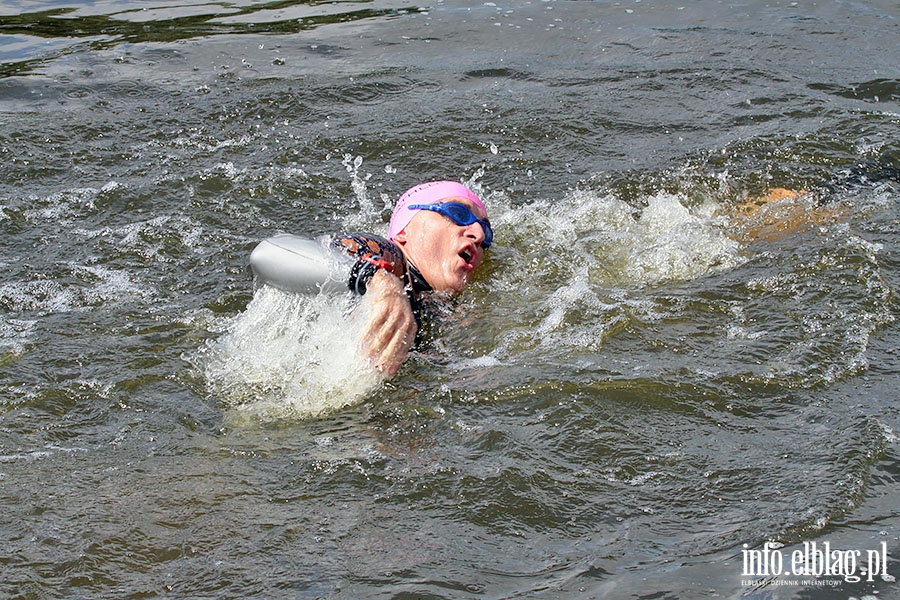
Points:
(630, 398)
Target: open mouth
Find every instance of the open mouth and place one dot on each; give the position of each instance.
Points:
(466, 255)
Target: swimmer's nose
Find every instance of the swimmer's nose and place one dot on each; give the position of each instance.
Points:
(475, 232)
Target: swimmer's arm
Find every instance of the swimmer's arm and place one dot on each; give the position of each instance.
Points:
(391, 328)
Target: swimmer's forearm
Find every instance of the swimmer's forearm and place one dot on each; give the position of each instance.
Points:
(391, 329)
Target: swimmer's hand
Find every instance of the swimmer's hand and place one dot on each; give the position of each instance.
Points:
(391, 328)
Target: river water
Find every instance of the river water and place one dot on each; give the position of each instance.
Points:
(643, 395)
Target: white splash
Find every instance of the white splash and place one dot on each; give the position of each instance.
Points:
(672, 242)
(291, 356)
(616, 243)
(569, 260)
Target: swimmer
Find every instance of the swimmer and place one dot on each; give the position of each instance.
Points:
(437, 238)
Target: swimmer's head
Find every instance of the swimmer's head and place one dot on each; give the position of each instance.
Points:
(428, 193)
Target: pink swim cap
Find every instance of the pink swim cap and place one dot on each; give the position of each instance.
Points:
(427, 193)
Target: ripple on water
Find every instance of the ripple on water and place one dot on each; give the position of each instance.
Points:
(624, 396)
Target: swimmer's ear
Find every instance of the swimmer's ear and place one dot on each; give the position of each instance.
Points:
(400, 239)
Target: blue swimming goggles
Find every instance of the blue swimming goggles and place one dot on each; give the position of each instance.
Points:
(461, 215)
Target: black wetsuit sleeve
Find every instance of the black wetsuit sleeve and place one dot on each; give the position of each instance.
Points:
(371, 252)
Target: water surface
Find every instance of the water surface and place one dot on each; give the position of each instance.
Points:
(638, 388)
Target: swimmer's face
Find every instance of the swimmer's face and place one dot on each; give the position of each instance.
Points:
(445, 253)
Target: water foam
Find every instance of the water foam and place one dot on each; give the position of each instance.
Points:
(90, 286)
(572, 261)
(672, 242)
(291, 356)
(15, 336)
(617, 243)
